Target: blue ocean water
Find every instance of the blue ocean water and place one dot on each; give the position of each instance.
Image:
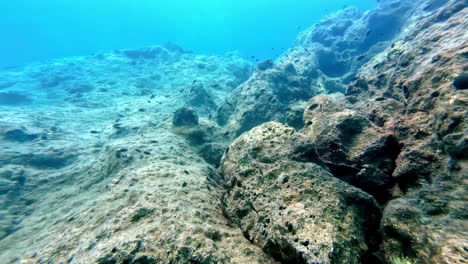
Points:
(34, 30)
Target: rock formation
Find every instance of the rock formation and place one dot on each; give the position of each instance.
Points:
(398, 134)
(349, 148)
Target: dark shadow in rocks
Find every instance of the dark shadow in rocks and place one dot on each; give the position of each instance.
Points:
(14, 98)
(282, 254)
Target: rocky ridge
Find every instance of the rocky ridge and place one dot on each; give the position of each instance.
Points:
(399, 133)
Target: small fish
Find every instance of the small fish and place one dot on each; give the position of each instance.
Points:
(360, 57)
(141, 110)
(186, 172)
(194, 81)
(146, 152)
(252, 57)
(149, 101)
(368, 33)
(427, 7)
(94, 132)
(215, 85)
(117, 120)
(119, 115)
(117, 126)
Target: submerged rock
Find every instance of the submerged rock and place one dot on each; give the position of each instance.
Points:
(461, 82)
(185, 116)
(295, 211)
(19, 134)
(141, 191)
(353, 148)
(265, 65)
(147, 53)
(14, 98)
(201, 98)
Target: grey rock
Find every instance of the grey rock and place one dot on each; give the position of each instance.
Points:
(185, 116)
(19, 135)
(265, 65)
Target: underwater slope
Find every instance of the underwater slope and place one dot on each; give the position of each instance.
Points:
(399, 134)
(92, 173)
(350, 148)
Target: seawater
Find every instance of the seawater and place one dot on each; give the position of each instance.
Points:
(33, 30)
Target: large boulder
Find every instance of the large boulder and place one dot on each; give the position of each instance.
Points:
(354, 149)
(296, 211)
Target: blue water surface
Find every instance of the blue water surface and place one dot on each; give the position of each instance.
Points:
(34, 30)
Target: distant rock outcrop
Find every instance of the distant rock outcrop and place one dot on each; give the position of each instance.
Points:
(325, 59)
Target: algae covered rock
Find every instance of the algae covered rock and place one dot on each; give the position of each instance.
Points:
(296, 211)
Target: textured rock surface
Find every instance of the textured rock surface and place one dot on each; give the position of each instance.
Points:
(371, 169)
(185, 116)
(92, 169)
(325, 59)
(411, 89)
(399, 134)
(295, 211)
(353, 148)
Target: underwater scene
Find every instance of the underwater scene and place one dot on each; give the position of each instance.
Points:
(234, 132)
